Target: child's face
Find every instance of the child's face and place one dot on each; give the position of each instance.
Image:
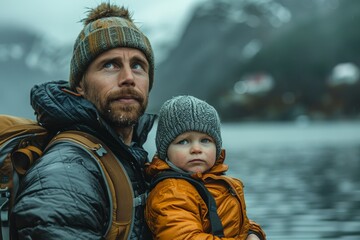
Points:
(192, 152)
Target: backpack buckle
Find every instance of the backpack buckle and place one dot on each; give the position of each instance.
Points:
(140, 200)
(100, 150)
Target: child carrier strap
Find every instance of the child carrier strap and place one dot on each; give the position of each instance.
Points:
(215, 222)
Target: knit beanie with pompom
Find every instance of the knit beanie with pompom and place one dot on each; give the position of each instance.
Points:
(107, 26)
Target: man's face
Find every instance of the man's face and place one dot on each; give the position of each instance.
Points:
(117, 83)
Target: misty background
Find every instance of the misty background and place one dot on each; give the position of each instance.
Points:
(283, 74)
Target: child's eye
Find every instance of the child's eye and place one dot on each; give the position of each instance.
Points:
(206, 140)
(183, 142)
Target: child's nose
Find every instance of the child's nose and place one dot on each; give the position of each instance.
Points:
(196, 148)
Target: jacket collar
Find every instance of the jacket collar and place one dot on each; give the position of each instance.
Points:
(157, 165)
(58, 108)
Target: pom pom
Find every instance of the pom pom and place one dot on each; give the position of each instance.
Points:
(106, 10)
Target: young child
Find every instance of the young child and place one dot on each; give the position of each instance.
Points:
(188, 141)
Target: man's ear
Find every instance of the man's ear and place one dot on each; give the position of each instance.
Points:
(80, 87)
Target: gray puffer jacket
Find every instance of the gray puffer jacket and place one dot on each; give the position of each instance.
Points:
(63, 196)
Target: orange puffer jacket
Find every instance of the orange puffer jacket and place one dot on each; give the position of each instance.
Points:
(175, 209)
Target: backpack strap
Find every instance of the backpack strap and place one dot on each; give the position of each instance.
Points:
(215, 222)
(118, 182)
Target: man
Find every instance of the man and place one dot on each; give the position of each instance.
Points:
(64, 195)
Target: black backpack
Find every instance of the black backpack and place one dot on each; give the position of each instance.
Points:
(215, 222)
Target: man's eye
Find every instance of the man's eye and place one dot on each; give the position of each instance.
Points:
(137, 66)
(109, 65)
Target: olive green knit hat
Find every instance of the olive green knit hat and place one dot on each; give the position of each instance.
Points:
(182, 114)
(107, 26)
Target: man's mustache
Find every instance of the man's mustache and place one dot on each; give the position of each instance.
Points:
(126, 93)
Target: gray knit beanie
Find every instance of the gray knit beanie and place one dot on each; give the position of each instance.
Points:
(182, 114)
(107, 26)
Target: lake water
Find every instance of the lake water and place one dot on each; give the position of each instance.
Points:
(302, 181)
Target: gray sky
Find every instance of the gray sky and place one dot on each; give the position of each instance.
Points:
(60, 19)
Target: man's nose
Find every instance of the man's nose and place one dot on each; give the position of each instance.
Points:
(126, 76)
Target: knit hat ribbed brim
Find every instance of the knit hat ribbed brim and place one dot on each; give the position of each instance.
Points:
(182, 114)
(107, 27)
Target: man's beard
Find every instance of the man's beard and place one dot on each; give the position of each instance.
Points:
(118, 114)
(123, 116)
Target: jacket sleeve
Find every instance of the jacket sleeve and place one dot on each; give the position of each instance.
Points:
(172, 212)
(256, 229)
(61, 197)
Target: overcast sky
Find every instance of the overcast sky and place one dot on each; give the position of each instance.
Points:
(60, 19)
